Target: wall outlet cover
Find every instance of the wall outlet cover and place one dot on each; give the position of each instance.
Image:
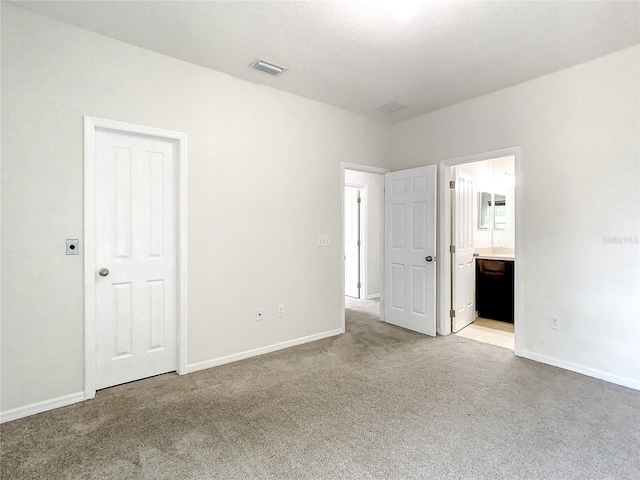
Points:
(324, 241)
(280, 310)
(554, 322)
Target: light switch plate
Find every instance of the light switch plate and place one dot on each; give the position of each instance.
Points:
(73, 246)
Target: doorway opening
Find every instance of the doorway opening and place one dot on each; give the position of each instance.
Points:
(479, 235)
(363, 229)
(407, 231)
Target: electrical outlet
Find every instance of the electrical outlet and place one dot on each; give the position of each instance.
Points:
(324, 241)
(554, 322)
(280, 310)
(259, 315)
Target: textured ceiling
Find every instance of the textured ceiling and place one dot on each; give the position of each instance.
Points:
(358, 56)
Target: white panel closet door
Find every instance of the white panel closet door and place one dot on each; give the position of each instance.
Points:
(463, 271)
(136, 242)
(410, 246)
(351, 239)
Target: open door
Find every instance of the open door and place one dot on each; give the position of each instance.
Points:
(463, 273)
(410, 246)
(352, 283)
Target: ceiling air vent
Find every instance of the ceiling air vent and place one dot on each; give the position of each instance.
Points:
(268, 67)
(391, 107)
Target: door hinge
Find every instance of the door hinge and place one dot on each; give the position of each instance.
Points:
(359, 200)
(358, 243)
(359, 285)
(452, 313)
(452, 184)
(452, 249)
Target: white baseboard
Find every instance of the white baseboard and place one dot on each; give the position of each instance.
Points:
(194, 367)
(373, 296)
(20, 412)
(590, 372)
(40, 407)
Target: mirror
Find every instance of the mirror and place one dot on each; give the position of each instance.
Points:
(484, 210)
(499, 212)
(492, 211)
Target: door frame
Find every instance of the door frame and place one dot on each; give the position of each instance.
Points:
(443, 323)
(362, 271)
(367, 169)
(91, 126)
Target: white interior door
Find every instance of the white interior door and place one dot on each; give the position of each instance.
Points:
(463, 273)
(410, 246)
(135, 257)
(351, 242)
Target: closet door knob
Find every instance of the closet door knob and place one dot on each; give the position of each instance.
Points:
(429, 258)
(103, 272)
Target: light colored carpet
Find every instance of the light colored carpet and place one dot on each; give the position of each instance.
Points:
(378, 402)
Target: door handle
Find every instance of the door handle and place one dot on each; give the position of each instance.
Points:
(103, 272)
(429, 258)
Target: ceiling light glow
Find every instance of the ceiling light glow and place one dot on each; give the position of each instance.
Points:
(404, 9)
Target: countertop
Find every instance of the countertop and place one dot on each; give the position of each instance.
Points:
(497, 256)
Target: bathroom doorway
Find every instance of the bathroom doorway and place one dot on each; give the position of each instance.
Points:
(479, 247)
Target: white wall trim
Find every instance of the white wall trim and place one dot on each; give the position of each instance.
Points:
(27, 410)
(369, 169)
(444, 212)
(91, 124)
(194, 367)
(373, 296)
(590, 372)
(363, 168)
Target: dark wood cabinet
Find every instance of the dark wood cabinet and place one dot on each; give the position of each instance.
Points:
(494, 289)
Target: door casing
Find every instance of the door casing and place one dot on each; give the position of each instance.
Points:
(91, 125)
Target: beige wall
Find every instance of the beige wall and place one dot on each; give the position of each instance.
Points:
(580, 136)
(264, 182)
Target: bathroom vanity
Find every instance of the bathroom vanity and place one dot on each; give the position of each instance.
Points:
(494, 286)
